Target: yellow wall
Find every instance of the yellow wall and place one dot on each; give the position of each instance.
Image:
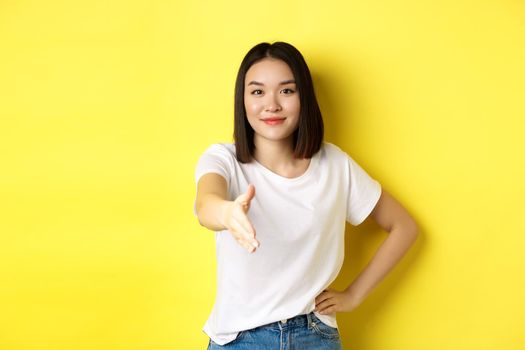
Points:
(106, 105)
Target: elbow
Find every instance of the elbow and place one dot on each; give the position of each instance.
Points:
(203, 216)
(406, 228)
(197, 212)
(200, 219)
(412, 230)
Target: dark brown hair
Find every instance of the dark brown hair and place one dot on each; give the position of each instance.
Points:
(308, 137)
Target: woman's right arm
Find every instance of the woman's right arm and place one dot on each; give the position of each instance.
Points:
(217, 213)
(211, 203)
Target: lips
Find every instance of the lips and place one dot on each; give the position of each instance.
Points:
(273, 120)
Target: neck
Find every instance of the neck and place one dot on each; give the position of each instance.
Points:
(278, 157)
(269, 151)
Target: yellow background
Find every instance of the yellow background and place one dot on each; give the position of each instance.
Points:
(106, 105)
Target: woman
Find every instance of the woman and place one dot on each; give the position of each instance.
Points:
(278, 199)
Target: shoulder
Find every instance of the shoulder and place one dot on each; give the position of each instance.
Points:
(330, 147)
(332, 151)
(221, 149)
(217, 158)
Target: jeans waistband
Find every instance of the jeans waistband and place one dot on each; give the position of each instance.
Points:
(297, 321)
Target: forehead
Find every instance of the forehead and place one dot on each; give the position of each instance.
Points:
(269, 70)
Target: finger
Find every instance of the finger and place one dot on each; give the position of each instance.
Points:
(250, 248)
(329, 310)
(325, 303)
(252, 242)
(245, 223)
(239, 230)
(323, 296)
(321, 307)
(242, 236)
(248, 245)
(242, 219)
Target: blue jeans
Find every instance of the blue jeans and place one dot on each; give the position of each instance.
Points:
(302, 332)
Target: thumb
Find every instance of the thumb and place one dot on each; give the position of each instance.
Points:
(250, 192)
(247, 196)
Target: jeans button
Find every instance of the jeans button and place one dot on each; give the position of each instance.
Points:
(284, 321)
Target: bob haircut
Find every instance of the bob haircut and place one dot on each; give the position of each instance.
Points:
(308, 137)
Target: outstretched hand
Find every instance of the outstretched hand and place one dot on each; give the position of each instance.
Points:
(237, 222)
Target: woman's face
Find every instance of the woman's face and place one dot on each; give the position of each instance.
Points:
(271, 100)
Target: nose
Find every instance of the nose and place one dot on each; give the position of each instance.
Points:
(272, 104)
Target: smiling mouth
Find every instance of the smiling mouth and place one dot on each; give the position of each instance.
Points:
(273, 121)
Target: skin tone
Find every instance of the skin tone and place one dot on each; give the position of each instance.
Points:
(270, 93)
(272, 107)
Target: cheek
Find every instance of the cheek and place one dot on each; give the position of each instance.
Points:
(251, 107)
(293, 105)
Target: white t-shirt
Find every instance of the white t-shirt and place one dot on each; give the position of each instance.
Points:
(300, 224)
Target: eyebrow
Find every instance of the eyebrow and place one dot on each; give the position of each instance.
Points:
(290, 81)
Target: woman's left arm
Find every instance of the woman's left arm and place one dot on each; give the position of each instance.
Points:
(393, 218)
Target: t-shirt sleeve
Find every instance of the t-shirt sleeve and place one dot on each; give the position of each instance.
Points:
(363, 194)
(216, 159)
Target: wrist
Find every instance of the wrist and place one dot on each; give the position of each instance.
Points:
(225, 213)
(354, 295)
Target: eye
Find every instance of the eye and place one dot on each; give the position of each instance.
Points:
(287, 91)
(256, 92)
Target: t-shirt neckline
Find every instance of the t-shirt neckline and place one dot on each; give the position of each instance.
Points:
(311, 166)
